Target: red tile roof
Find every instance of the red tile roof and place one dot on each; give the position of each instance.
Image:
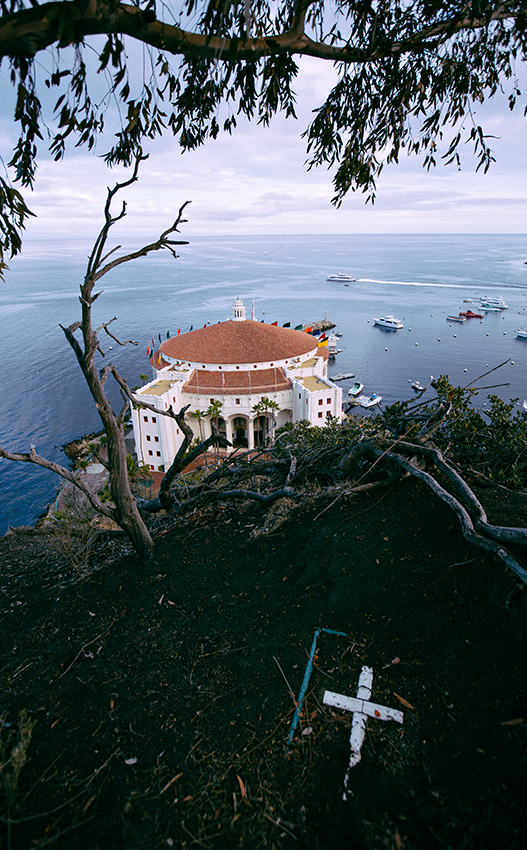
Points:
(204, 381)
(239, 342)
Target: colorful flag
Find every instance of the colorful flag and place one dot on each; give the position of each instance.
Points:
(322, 338)
(192, 327)
(298, 327)
(159, 335)
(148, 351)
(322, 343)
(168, 334)
(308, 330)
(286, 325)
(275, 324)
(178, 331)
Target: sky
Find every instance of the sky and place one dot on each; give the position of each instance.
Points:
(256, 182)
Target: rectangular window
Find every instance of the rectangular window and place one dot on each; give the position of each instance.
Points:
(154, 419)
(158, 454)
(211, 400)
(150, 452)
(328, 401)
(145, 418)
(319, 416)
(299, 396)
(320, 400)
(156, 439)
(237, 400)
(148, 438)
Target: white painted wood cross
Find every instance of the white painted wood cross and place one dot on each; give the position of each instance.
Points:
(361, 709)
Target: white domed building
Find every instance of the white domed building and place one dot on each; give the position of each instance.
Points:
(246, 376)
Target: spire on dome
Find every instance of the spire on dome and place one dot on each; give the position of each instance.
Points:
(238, 311)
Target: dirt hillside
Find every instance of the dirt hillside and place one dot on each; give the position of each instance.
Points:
(151, 708)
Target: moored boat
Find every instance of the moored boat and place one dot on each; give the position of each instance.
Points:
(332, 346)
(494, 301)
(459, 318)
(417, 386)
(356, 389)
(521, 334)
(470, 315)
(389, 322)
(370, 400)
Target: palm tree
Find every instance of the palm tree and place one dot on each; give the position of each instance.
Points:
(262, 408)
(214, 411)
(200, 416)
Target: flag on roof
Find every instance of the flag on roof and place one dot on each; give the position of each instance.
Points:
(308, 330)
(322, 337)
(275, 324)
(322, 343)
(286, 325)
(298, 327)
(168, 334)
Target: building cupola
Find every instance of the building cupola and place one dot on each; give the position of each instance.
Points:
(238, 311)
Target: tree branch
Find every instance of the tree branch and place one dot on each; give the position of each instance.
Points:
(462, 514)
(67, 474)
(29, 31)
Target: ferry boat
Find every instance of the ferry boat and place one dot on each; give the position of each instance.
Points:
(341, 277)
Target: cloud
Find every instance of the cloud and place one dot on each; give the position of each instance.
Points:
(256, 181)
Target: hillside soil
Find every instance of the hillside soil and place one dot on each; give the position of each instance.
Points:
(150, 708)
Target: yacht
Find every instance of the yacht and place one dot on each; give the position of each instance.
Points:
(389, 322)
(494, 302)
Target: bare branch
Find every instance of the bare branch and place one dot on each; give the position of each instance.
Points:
(465, 520)
(67, 474)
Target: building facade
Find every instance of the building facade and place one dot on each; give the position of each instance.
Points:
(245, 377)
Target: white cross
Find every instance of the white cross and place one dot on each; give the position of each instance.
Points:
(361, 709)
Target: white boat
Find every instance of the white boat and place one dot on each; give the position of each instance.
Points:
(356, 389)
(389, 322)
(341, 277)
(489, 309)
(521, 334)
(494, 301)
(332, 346)
(417, 386)
(525, 406)
(342, 377)
(370, 400)
(456, 318)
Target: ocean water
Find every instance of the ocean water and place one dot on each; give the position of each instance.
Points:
(420, 279)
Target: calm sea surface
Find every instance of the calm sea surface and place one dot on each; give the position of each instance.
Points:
(420, 279)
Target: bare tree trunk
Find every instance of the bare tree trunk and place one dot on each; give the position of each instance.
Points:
(124, 511)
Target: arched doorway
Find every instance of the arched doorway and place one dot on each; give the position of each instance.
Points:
(239, 432)
(261, 427)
